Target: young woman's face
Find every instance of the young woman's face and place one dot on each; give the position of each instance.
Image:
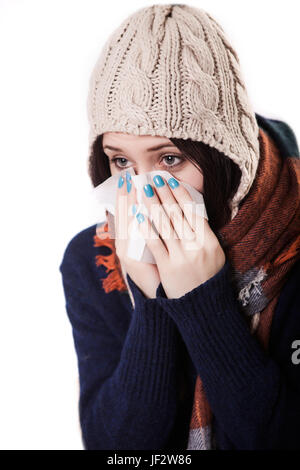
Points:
(137, 151)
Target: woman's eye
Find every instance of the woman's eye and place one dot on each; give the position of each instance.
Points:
(119, 162)
(172, 160)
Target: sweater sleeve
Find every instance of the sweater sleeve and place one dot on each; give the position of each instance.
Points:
(127, 381)
(254, 398)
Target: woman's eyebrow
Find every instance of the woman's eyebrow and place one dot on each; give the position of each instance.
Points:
(157, 147)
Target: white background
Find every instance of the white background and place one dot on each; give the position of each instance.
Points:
(48, 49)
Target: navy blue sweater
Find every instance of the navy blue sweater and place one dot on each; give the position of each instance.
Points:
(131, 361)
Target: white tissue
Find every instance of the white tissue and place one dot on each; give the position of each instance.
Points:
(105, 195)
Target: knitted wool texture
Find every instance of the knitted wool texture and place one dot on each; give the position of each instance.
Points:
(169, 70)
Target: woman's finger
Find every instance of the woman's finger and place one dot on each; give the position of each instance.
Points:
(160, 219)
(173, 208)
(152, 239)
(132, 205)
(121, 218)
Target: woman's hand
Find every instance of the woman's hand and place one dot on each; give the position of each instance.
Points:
(144, 275)
(188, 252)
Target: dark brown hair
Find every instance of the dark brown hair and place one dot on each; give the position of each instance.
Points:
(221, 176)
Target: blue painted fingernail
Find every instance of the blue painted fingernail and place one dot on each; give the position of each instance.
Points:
(128, 176)
(140, 217)
(134, 209)
(121, 182)
(173, 183)
(158, 181)
(128, 186)
(148, 190)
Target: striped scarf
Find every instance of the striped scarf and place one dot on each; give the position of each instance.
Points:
(262, 244)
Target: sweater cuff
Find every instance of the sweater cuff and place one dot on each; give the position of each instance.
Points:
(216, 334)
(147, 368)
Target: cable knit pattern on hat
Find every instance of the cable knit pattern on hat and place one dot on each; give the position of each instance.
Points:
(169, 70)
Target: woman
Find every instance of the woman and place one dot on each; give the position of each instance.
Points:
(199, 350)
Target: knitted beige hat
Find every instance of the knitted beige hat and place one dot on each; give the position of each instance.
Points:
(169, 70)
